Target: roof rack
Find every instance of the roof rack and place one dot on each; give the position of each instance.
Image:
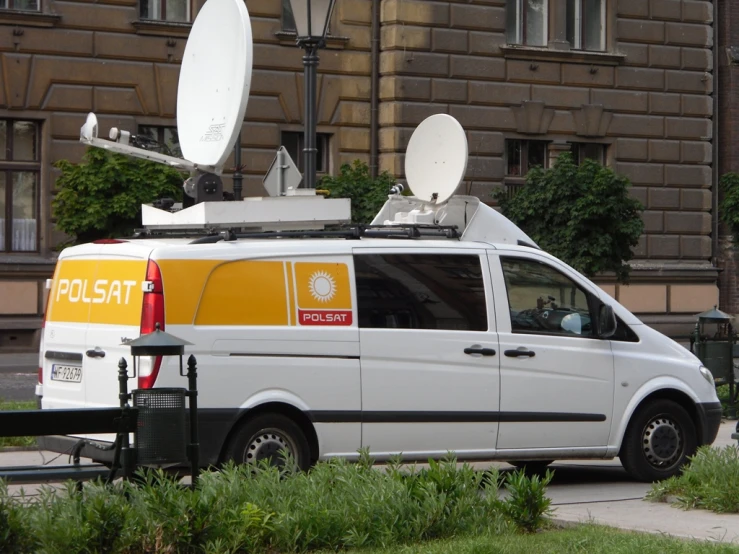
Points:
(349, 232)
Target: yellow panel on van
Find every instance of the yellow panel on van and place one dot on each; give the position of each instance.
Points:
(98, 291)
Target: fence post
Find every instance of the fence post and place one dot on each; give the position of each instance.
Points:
(192, 393)
(123, 396)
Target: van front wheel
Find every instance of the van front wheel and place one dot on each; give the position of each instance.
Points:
(265, 438)
(658, 441)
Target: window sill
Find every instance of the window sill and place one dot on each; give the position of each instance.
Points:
(572, 56)
(157, 28)
(333, 42)
(28, 18)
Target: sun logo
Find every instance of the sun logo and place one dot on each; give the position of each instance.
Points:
(322, 286)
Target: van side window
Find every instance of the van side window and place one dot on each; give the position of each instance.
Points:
(420, 291)
(544, 301)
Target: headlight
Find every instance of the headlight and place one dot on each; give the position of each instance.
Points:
(707, 375)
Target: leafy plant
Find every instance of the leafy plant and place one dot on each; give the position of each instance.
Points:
(710, 481)
(527, 504)
(581, 214)
(101, 197)
(354, 182)
(729, 207)
(15, 536)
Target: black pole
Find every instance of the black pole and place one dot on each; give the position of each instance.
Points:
(310, 64)
(238, 178)
(192, 393)
(123, 397)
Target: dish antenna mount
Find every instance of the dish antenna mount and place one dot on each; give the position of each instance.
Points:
(212, 94)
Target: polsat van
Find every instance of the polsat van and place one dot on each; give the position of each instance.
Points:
(404, 339)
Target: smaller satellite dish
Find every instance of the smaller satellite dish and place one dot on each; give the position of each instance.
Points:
(90, 129)
(436, 158)
(214, 82)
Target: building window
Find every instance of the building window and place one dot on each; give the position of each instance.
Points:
(23, 5)
(166, 10)
(164, 140)
(19, 183)
(527, 21)
(582, 151)
(288, 19)
(586, 24)
(293, 141)
(522, 155)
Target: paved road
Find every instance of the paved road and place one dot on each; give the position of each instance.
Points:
(18, 376)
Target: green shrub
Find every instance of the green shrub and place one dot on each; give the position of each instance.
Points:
(102, 196)
(582, 214)
(367, 194)
(527, 505)
(729, 207)
(710, 481)
(336, 505)
(14, 528)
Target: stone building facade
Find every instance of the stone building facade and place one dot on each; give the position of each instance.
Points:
(628, 82)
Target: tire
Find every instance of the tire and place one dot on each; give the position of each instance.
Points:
(263, 437)
(658, 441)
(532, 467)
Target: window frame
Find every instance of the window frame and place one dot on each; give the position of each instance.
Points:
(524, 163)
(576, 147)
(163, 11)
(8, 5)
(8, 166)
(324, 149)
(589, 297)
(521, 20)
(582, 21)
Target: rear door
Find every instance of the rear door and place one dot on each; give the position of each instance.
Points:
(65, 365)
(115, 316)
(428, 352)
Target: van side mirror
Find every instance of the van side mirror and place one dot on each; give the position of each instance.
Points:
(605, 322)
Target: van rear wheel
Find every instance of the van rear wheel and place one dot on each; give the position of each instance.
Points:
(265, 438)
(659, 439)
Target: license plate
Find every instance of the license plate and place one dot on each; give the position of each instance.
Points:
(69, 373)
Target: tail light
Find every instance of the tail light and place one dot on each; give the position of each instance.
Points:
(152, 312)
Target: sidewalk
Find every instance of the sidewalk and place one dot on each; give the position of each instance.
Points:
(622, 506)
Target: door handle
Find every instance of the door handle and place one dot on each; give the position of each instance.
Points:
(519, 352)
(479, 350)
(96, 353)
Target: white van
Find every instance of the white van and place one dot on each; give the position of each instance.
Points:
(466, 342)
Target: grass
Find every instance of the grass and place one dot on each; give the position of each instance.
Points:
(710, 482)
(723, 395)
(585, 539)
(8, 405)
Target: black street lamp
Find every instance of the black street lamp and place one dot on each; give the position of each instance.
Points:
(311, 21)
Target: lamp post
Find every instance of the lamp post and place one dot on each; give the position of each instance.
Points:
(311, 22)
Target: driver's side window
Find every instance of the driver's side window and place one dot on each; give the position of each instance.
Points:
(544, 301)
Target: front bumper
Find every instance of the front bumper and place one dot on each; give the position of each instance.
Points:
(709, 414)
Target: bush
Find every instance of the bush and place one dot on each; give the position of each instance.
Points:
(102, 196)
(729, 207)
(354, 182)
(335, 505)
(527, 505)
(710, 481)
(580, 214)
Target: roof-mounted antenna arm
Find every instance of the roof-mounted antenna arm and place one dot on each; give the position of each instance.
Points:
(89, 136)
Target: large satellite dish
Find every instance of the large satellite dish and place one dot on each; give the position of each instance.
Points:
(214, 82)
(212, 92)
(436, 158)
